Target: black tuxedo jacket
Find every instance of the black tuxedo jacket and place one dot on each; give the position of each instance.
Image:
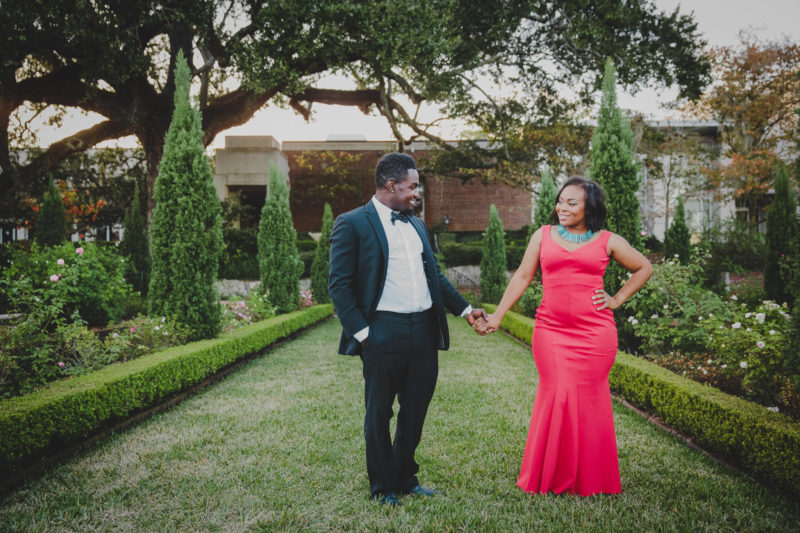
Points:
(358, 263)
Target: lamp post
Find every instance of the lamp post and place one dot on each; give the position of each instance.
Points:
(446, 222)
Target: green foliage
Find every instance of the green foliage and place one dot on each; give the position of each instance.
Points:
(731, 345)
(531, 299)
(254, 307)
(493, 261)
(764, 444)
(614, 168)
(791, 356)
(667, 312)
(457, 254)
(677, 239)
(186, 232)
(239, 258)
(781, 226)
(135, 246)
(279, 261)
(545, 204)
(440, 57)
(320, 264)
(70, 410)
(87, 281)
(736, 247)
(51, 225)
(82, 351)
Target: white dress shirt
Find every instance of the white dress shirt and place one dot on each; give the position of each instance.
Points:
(406, 287)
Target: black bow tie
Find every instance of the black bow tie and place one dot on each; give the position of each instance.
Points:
(401, 216)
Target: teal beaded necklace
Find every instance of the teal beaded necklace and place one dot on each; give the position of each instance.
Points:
(574, 237)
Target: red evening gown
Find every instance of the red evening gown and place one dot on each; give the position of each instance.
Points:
(571, 444)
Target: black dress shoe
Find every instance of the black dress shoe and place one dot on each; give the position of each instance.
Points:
(419, 490)
(389, 499)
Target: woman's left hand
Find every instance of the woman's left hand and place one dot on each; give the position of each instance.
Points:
(603, 300)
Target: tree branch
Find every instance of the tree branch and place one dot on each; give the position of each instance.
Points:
(64, 87)
(232, 109)
(56, 152)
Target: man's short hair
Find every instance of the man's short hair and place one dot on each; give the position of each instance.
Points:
(393, 166)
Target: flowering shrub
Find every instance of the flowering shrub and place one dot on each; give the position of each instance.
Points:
(669, 310)
(748, 353)
(305, 298)
(237, 313)
(87, 280)
(736, 347)
(83, 351)
(39, 347)
(723, 343)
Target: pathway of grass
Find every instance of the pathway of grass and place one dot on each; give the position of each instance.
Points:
(278, 447)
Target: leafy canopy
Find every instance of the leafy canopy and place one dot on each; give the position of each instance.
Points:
(499, 64)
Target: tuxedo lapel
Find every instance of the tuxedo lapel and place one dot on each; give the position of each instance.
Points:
(375, 221)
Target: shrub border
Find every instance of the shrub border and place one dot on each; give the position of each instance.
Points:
(766, 445)
(71, 410)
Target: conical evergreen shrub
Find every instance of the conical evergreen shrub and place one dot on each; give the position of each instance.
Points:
(493, 262)
(51, 225)
(677, 238)
(781, 225)
(545, 203)
(186, 230)
(614, 168)
(135, 246)
(279, 262)
(790, 269)
(320, 263)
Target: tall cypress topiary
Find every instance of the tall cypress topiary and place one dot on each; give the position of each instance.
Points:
(493, 262)
(279, 261)
(780, 222)
(135, 245)
(614, 168)
(677, 238)
(320, 264)
(186, 230)
(545, 204)
(51, 225)
(790, 268)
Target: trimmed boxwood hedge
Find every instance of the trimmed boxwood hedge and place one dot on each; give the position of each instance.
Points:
(767, 445)
(71, 410)
(457, 254)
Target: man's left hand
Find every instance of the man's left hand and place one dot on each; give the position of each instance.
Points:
(475, 315)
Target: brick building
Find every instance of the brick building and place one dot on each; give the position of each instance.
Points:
(341, 171)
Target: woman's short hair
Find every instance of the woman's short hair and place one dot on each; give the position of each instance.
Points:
(393, 166)
(595, 202)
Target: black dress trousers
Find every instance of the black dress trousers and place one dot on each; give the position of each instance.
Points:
(400, 360)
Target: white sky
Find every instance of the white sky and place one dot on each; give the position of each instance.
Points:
(719, 20)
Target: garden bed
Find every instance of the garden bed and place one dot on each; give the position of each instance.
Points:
(767, 445)
(71, 410)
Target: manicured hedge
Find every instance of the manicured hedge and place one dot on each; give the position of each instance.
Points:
(73, 409)
(765, 444)
(456, 254)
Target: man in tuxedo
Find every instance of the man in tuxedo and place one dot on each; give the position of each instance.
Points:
(391, 298)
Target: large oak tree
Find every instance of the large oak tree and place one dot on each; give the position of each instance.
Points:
(500, 64)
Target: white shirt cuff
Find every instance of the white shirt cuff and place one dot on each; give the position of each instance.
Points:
(467, 310)
(361, 335)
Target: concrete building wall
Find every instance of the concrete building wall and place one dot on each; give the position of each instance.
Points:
(245, 162)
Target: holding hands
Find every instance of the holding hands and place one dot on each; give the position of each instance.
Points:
(480, 322)
(487, 325)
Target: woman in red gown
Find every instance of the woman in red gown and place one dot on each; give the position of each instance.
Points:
(571, 443)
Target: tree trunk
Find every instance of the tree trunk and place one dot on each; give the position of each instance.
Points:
(152, 140)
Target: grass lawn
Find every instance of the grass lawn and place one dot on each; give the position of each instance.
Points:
(278, 446)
